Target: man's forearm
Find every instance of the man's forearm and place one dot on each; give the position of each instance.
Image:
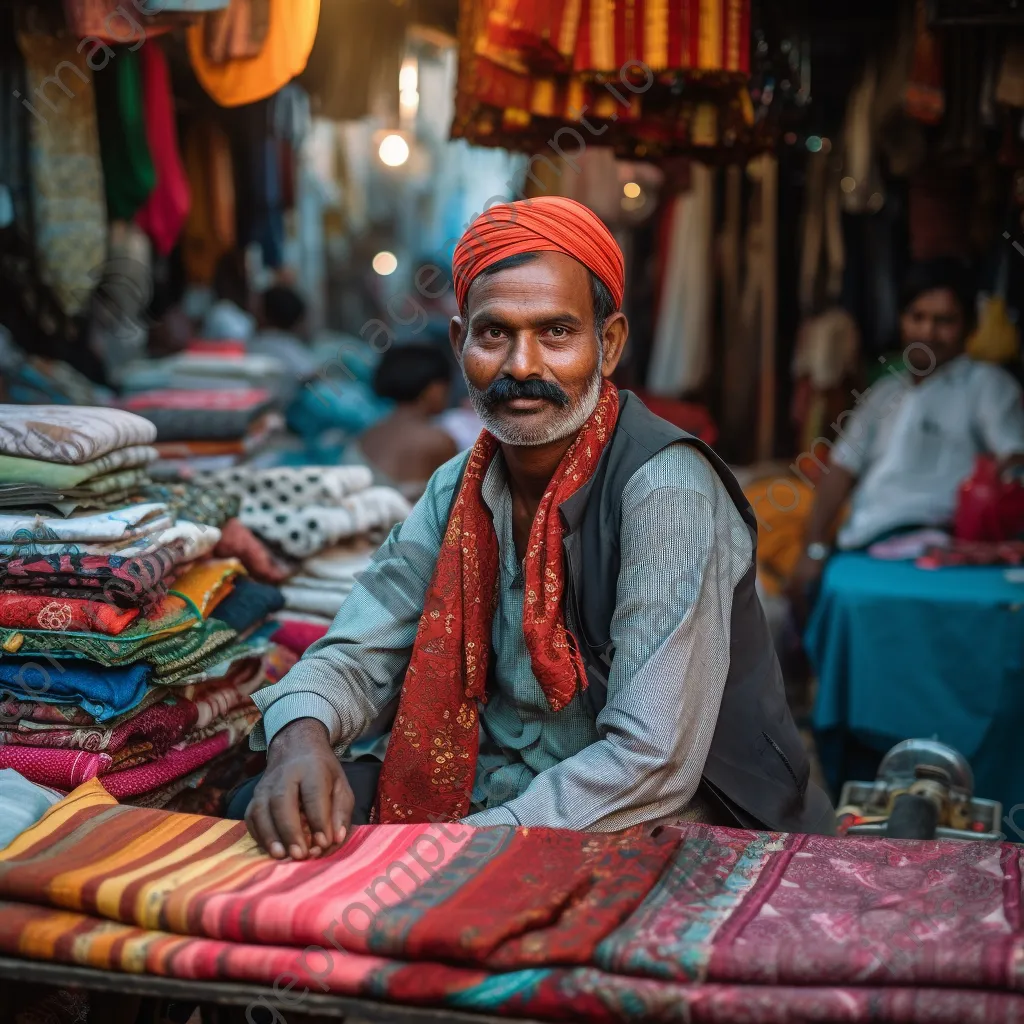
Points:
(835, 489)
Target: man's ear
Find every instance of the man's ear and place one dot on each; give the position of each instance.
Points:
(616, 331)
(457, 336)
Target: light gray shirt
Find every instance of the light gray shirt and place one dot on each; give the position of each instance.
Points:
(684, 547)
(912, 445)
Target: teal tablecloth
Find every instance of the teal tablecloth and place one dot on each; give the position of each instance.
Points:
(904, 652)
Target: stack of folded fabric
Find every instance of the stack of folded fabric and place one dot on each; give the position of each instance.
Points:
(331, 518)
(128, 647)
(67, 458)
(203, 430)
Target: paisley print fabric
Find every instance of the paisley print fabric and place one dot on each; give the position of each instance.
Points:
(431, 759)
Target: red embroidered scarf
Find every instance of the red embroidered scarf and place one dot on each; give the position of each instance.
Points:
(431, 760)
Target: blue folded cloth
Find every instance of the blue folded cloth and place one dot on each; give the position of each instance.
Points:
(104, 692)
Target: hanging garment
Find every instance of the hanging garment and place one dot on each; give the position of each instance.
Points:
(110, 21)
(681, 356)
(238, 32)
(210, 225)
(163, 215)
(285, 49)
(356, 58)
(68, 206)
(128, 169)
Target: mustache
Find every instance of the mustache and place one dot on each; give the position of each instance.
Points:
(505, 389)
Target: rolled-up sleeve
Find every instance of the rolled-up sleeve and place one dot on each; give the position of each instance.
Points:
(684, 547)
(347, 678)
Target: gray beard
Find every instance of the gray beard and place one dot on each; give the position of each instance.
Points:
(526, 437)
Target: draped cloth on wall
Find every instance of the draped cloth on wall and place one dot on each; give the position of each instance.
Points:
(163, 215)
(210, 226)
(285, 50)
(681, 356)
(699, 924)
(523, 62)
(68, 205)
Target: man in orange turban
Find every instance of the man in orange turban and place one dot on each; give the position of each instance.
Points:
(567, 620)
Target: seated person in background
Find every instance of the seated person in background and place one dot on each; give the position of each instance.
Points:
(230, 318)
(914, 436)
(567, 620)
(283, 319)
(405, 448)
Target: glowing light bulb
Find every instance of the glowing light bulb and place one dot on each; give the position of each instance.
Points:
(393, 151)
(631, 190)
(385, 263)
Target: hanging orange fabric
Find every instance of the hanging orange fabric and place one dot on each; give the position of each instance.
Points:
(284, 54)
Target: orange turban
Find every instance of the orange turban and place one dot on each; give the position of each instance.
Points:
(547, 224)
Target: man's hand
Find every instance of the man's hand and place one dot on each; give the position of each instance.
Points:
(303, 776)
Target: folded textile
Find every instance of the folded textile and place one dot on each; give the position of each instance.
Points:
(302, 532)
(186, 540)
(161, 725)
(174, 627)
(137, 580)
(207, 582)
(248, 604)
(216, 699)
(966, 552)
(62, 769)
(237, 722)
(238, 541)
(70, 434)
(110, 483)
(58, 476)
(25, 715)
(31, 611)
(193, 502)
(30, 499)
(22, 804)
(297, 636)
(103, 692)
(291, 487)
(908, 546)
(178, 761)
(125, 524)
(207, 415)
(702, 924)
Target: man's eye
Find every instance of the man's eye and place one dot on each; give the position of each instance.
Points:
(493, 333)
(558, 332)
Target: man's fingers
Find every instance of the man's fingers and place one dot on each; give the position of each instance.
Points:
(284, 808)
(261, 827)
(342, 802)
(316, 802)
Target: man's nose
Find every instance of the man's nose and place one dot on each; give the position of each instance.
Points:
(525, 358)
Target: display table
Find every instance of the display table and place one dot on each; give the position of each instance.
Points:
(904, 652)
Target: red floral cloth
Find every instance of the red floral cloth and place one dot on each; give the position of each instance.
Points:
(78, 614)
(431, 759)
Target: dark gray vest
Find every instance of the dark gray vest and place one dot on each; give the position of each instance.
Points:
(757, 769)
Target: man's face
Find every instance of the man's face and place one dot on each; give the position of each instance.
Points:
(530, 352)
(934, 319)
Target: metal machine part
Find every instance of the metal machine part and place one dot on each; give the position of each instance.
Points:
(924, 789)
